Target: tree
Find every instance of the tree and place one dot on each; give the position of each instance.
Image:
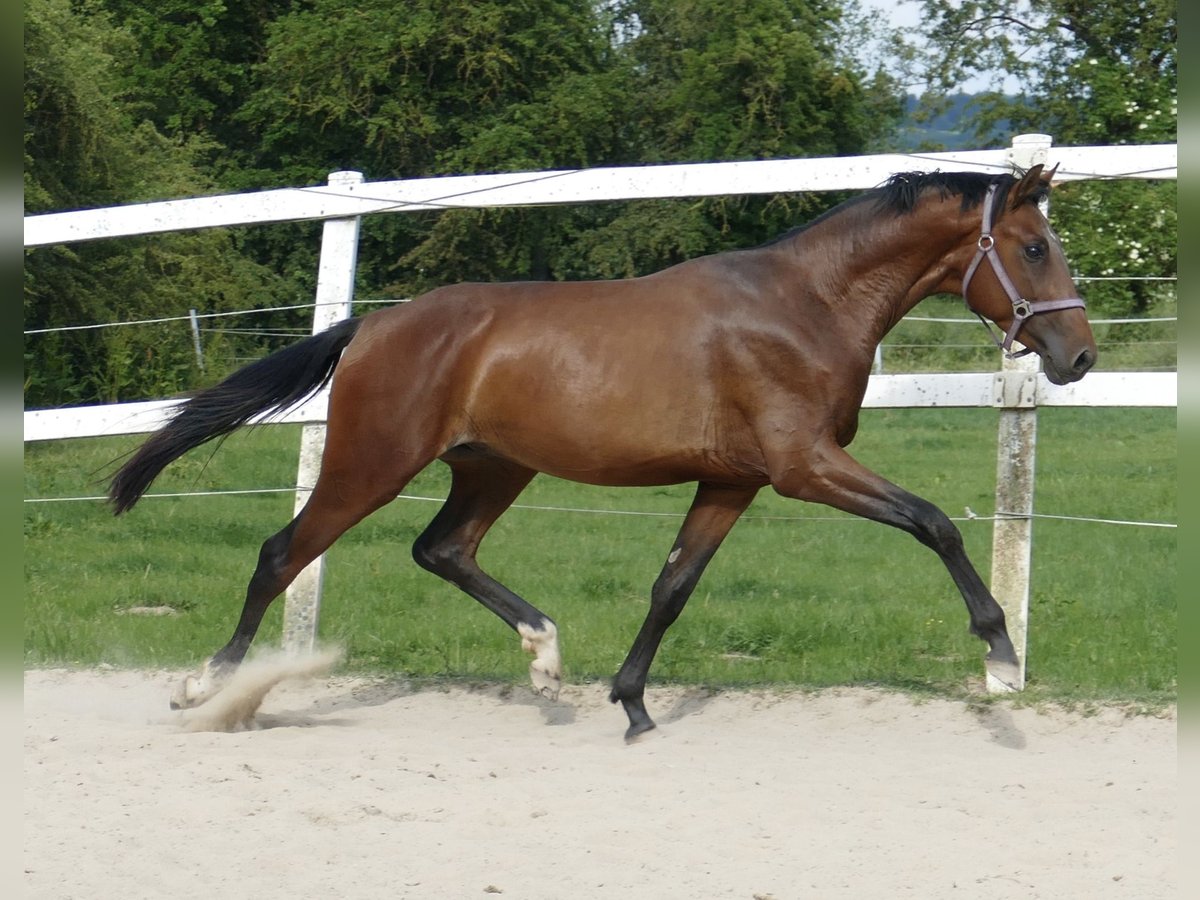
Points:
(1090, 75)
(434, 87)
(190, 65)
(85, 146)
(420, 88)
(708, 80)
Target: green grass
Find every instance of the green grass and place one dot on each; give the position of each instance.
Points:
(798, 595)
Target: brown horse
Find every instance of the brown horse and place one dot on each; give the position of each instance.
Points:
(736, 371)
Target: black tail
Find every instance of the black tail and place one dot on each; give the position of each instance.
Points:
(270, 385)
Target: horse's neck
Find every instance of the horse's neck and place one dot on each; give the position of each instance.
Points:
(879, 267)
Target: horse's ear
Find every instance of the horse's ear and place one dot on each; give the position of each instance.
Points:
(1030, 184)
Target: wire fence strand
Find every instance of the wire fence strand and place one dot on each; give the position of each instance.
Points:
(269, 309)
(969, 515)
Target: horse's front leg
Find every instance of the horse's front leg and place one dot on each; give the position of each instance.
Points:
(712, 514)
(828, 474)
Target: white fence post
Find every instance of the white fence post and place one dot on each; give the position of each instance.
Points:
(196, 339)
(335, 292)
(1012, 531)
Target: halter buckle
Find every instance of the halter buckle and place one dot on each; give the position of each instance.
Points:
(985, 243)
(1022, 308)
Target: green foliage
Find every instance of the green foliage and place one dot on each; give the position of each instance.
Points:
(398, 90)
(72, 110)
(1117, 230)
(86, 146)
(750, 80)
(1088, 75)
(190, 62)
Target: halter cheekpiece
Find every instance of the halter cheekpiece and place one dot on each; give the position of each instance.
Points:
(1022, 308)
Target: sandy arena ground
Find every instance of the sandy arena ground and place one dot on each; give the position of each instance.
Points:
(352, 788)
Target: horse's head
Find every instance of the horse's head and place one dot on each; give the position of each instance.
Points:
(1019, 279)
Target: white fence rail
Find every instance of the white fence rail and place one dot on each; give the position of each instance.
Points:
(1018, 390)
(341, 199)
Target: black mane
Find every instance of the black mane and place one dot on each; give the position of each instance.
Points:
(900, 193)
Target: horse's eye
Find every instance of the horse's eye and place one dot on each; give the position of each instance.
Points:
(1035, 252)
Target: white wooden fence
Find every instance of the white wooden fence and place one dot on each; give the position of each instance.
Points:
(1017, 390)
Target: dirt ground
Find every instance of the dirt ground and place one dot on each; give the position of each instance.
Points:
(353, 788)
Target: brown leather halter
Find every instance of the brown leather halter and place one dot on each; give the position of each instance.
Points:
(1022, 308)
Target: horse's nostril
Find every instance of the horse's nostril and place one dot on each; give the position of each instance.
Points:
(1084, 361)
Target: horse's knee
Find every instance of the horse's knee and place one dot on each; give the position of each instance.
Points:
(677, 580)
(933, 528)
(274, 550)
(668, 598)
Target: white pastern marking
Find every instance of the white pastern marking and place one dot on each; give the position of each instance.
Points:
(546, 669)
(674, 554)
(195, 689)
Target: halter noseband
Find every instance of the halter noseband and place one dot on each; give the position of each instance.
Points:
(1022, 308)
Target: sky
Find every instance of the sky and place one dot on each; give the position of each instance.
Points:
(907, 13)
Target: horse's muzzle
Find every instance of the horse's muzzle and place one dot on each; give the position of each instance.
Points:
(1073, 371)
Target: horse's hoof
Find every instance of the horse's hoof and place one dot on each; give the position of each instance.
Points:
(1003, 676)
(196, 689)
(547, 684)
(639, 720)
(546, 669)
(636, 731)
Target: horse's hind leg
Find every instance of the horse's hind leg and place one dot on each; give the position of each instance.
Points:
(481, 489)
(713, 512)
(337, 502)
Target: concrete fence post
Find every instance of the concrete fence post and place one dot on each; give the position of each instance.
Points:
(335, 293)
(1012, 531)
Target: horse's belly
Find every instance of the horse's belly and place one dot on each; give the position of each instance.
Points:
(625, 449)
